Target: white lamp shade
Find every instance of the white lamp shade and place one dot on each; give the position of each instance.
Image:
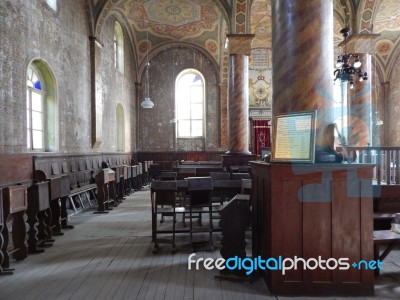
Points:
(147, 103)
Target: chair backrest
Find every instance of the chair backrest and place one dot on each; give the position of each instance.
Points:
(246, 186)
(168, 175)
(200, 189)
(220, 175)
(239, 176)
(164, 192)
(186, 172)
(154, 170)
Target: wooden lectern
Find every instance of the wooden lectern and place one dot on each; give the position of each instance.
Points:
(310, 211)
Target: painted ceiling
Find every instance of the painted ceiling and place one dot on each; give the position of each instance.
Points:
(152, 23)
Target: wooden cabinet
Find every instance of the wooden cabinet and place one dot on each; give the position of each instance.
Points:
(312, 211)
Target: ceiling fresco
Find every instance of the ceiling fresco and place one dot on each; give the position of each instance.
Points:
(387, 17)
(204, 23)
(260, 24)
(174, 19)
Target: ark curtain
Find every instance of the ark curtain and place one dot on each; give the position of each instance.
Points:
(261, 135)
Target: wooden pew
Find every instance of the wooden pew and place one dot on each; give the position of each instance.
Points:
(39, 212)
(387, 238)
(15, 203)
(104, 180)
(15, 177)
(387, 198)
(3, 270)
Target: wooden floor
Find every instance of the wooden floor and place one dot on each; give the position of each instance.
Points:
(109, 256)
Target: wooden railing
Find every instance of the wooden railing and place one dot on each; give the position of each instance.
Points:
(386, 159)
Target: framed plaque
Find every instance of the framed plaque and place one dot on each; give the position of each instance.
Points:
(294, 137)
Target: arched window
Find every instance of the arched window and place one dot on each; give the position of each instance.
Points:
(120, 128)
(118, 47)
(190, 104)
(41, 108)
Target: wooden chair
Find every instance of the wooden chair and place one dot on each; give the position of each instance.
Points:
(163, 202)
(154, 171)
(200, 189)
(220, 175)
(168, 176)
(238, 176)
(246, 186)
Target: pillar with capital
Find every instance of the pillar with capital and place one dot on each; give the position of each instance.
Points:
(360, 97)
(302, 60)
(238, 98)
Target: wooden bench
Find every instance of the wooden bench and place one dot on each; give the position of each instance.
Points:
(72, 185)
(15, 177)
(382, 221)
(384, 237)
(105, 181)
(386, 198)
(39, 211)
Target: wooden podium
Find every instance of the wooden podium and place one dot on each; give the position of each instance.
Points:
(312, 211)
(105, 180)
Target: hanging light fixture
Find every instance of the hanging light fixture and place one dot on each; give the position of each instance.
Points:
(147, 103)
(348, 65)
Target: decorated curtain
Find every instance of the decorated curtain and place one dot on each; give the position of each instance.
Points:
(261, 135)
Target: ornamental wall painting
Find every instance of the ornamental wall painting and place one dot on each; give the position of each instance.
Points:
(260, 78)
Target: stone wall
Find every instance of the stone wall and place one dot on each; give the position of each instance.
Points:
(157, 125)
(117, 88)
(31, 30)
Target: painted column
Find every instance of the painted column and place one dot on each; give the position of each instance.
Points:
(238, 108)
(360, 107)
(360, 97)
(386, 114)
(302, 60)
(223, 92)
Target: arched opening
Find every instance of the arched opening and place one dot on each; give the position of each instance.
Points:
(41, 108)
(189, 104)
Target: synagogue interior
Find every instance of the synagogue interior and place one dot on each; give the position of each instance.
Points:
(144, 143)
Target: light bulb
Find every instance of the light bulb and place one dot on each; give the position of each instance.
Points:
(357, 63)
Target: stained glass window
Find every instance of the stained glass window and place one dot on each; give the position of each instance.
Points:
(35, 109)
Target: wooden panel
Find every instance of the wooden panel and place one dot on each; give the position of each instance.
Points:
(82, 165)
(317, 209)
(65, 167)
(16, 198)
(43, 195)
(179, 155)
(308, 223)
(55, 188)
(65, 185)
(55, 167)
(1, 215)
(111, 175)
(15, 168)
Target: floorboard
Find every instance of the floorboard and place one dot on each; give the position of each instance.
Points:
(109, 256)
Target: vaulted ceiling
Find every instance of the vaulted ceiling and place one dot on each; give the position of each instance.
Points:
(151, 24)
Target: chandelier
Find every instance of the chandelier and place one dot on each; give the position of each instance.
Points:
(147, 103)
(348, 65)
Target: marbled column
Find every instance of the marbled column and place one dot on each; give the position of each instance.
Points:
(386, 115)
(360, 97)
(302, 60)
(238, 108)
(360, 110)
(223, 92)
